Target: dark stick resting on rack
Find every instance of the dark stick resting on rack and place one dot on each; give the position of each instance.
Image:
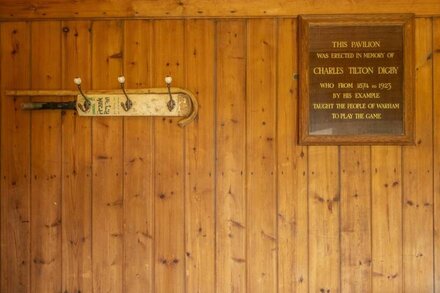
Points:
(49, 106)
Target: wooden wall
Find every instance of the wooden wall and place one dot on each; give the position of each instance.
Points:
(13, 9)
(231, 203)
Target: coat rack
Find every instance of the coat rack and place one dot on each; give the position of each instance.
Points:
(166, 102)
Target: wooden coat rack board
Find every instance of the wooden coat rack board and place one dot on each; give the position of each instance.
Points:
(165, 102)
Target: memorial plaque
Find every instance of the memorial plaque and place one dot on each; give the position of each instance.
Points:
(356, 79)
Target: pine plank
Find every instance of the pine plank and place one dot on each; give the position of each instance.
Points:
(77, 164)
(169, 173)
(355, 219)
(436, 107)
(324, 213)
(199, 156)
(292, 169)
(207, 8)
(418, 175)
(138, 165)
(15, 157)
(231, 156)
(107, 164)
(386, 217)
(45, 161)
(261, 157)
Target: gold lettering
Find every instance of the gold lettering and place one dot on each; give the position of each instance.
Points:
(387, 70)
(388, 106)
(322, 106)
(342, 116)
(326, 85)
(373, 116)
(356, 106)
(322, 55)
(365, 44)
(328, 70)
(340, 44)
(367, 95)
(374, 55)
(341, 55)
(361, 70)
(345, 85)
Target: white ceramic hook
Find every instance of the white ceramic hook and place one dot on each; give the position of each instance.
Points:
(86, 105)
(121, 79)
(128, 103)
(171, 104)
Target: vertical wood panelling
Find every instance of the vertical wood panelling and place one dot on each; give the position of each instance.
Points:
(169, 173)
(199, 155)
(138, 165)
(107, 152)
(418, 175)
(261, 156)
(386, 216)
(436, 126)
(230, 203)
(76, 167)
(355, 219)
(46, 162)
(292, 169)
(324, 213)
(231, 157)
(15, 156)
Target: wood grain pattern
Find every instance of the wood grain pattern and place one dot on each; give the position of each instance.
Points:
(436, 107)
(418, 175)
(15, 157)
(206, 8)
(76, 165)
(229, 204)
(262, 237)
(231, 157)
(45, 162)
(107, 162)
(199, 156)
(324, 215)
(292, 169)
(138, 165)
(355, 219)
(169, 164)
(386, 218)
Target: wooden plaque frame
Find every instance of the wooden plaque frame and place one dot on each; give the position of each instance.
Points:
(406, 21)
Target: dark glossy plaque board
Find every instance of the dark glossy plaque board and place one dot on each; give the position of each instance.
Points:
(356, 79)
